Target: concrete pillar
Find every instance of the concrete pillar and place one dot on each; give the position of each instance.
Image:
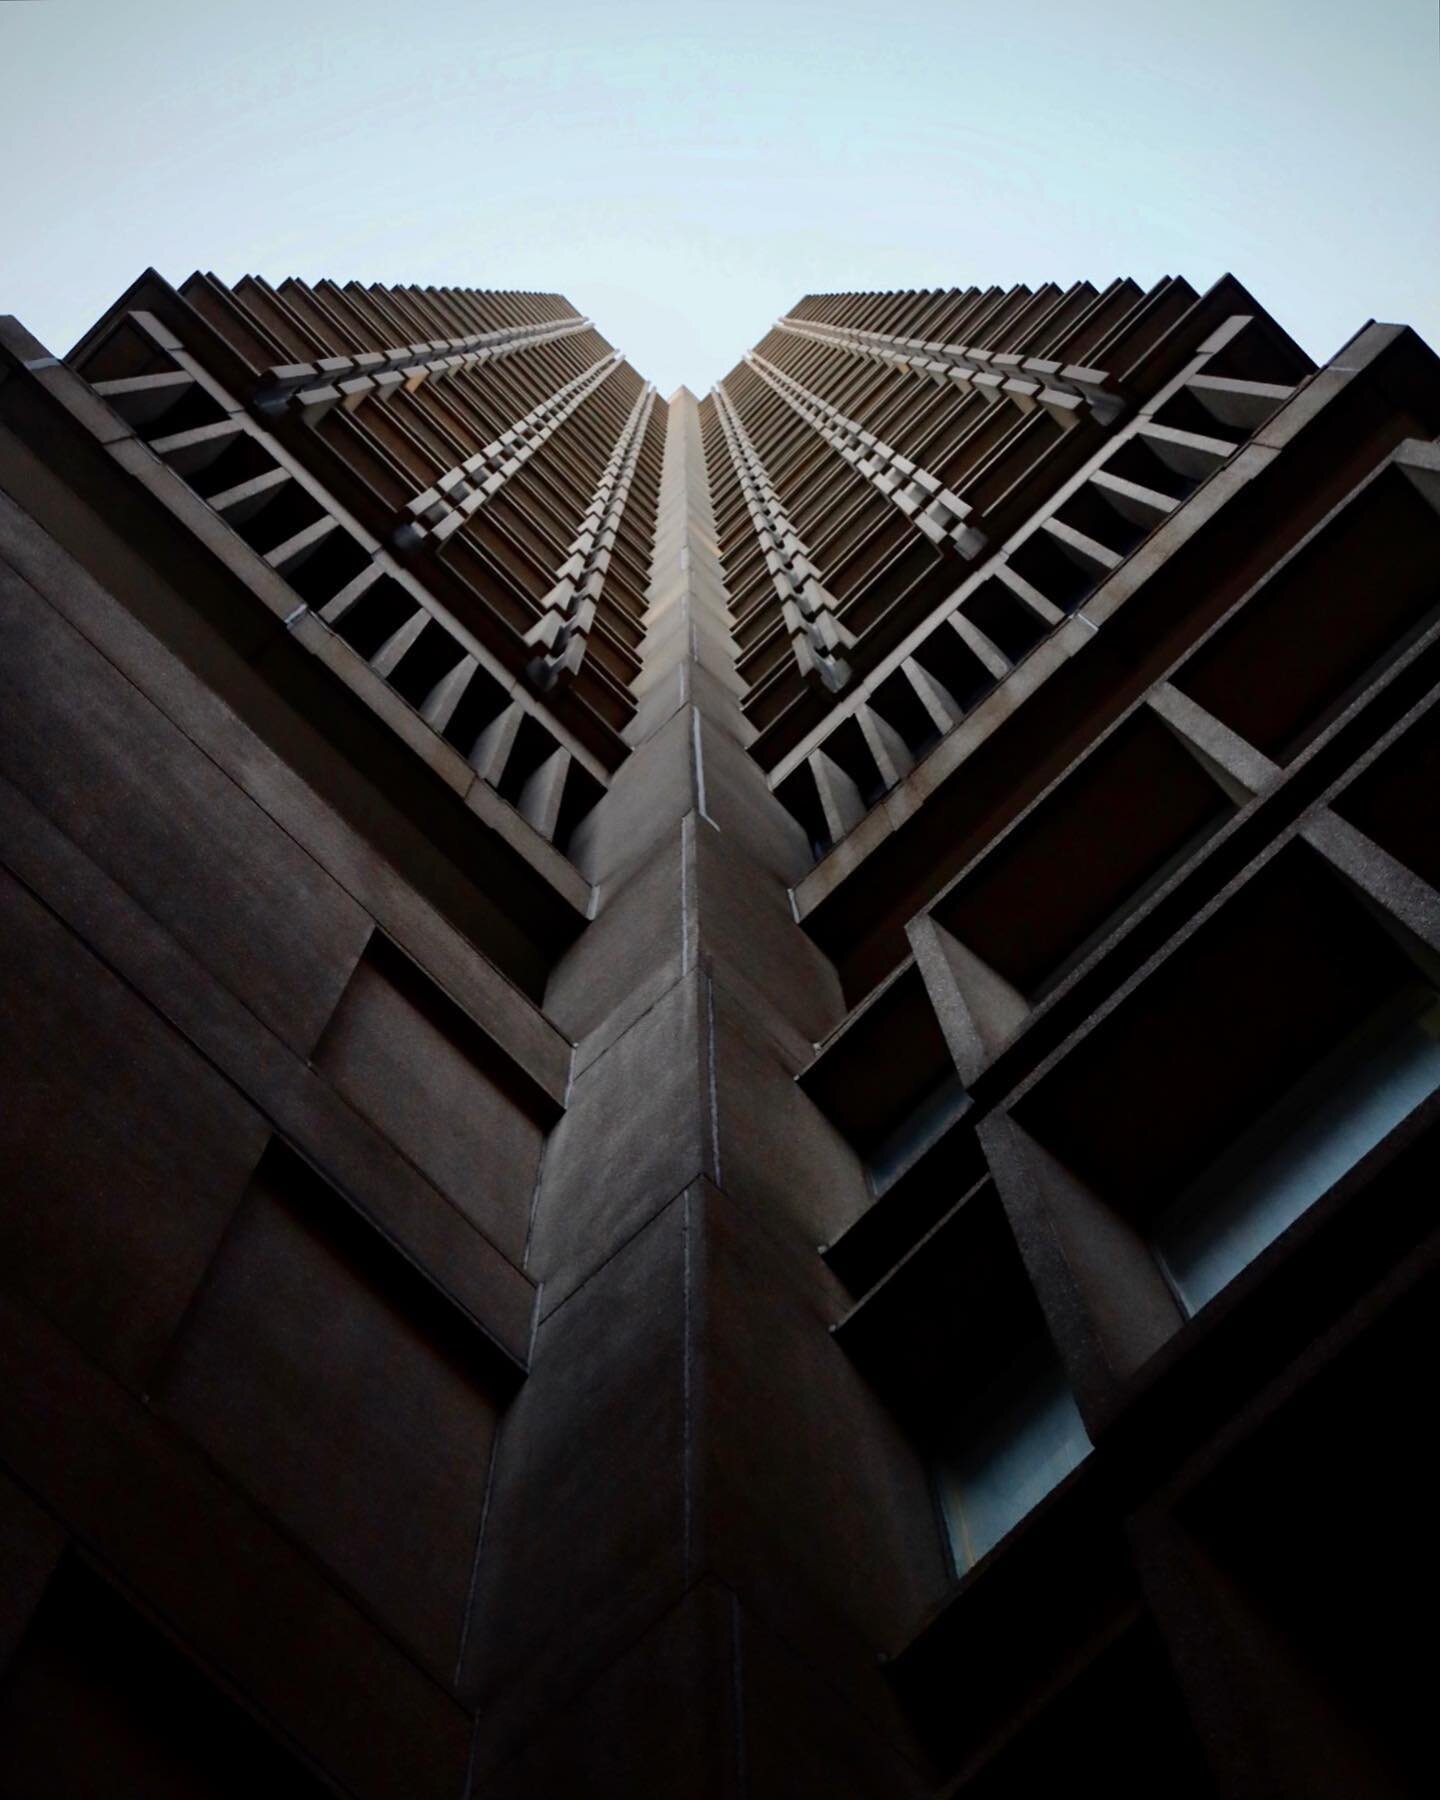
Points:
(703, 1529)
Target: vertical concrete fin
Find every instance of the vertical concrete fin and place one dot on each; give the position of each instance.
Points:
(688, 653)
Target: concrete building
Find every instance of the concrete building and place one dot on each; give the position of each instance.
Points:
(727, 1098)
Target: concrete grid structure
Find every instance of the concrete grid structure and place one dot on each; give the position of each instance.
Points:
(717, 1098)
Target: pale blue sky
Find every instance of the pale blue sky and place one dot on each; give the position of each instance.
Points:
(684, 173)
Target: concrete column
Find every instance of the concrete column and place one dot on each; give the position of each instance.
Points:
(702, 1529)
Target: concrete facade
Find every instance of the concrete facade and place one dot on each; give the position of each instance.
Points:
(717, 1097)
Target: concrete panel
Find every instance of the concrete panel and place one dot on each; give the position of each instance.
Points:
(31, 1543)
(300, 1103)
(659, 1723)
(121, 780)
(744, 915)
(637, 1131)
(289, 794)
(579, 1557)
(837, 1546)
(99, 1704)
(123, 1151)
(304, 1369)
(651, 793)
(215, 1570)
(804, 1738)
(405, 1060)
(778, 1153)
(638, 945)
(737, 798)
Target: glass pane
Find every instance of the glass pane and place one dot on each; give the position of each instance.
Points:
(1299, 1150)
(1025, 1443)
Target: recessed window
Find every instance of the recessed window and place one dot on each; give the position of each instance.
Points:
(954, 1340)
(1323, 623)
(1051, 889)
(1396, 801)
(1022, 1440)
(886, 1079)
(1300, 1148)
(921, 1128)
(1246, 1075)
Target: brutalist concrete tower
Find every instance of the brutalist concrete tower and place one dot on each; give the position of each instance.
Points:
(727, 1097)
